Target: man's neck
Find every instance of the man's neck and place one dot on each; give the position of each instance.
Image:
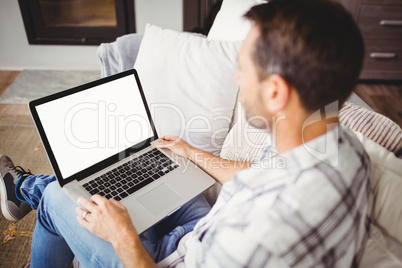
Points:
(292, 132)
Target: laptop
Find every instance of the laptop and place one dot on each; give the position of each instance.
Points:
(99, 138)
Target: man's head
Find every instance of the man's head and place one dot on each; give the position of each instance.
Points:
(312, 47)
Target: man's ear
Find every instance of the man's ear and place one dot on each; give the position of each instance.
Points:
(275, 93)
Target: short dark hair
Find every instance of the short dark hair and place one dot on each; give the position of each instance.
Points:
(315, 45)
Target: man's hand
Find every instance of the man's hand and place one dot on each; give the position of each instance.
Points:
(220, 169)
(107, 219)
(176, 145)
(110, 220)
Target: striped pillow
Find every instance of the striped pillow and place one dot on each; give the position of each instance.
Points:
(374, 126)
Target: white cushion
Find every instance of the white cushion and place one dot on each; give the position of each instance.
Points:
(381, 250)
(229, 23)
(245, 142)
(384, 245)
(386, 182)
(187, 81)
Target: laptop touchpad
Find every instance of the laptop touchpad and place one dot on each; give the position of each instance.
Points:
(159, 199)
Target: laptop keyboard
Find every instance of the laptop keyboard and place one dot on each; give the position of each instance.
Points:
(131, 176)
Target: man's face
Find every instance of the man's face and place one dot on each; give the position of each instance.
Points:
(250, 84)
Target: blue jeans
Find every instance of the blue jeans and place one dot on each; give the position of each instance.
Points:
(58, 236)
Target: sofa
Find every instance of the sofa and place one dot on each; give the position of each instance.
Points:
(187, 80)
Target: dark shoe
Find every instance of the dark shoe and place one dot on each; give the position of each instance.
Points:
(13, 205)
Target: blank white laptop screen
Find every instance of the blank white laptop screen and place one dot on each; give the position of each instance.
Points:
(89, 126)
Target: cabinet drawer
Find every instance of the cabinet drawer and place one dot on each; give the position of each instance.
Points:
(380, 21)
(383, 2)
(380, 55)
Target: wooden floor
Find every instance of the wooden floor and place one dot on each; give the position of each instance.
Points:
(384, 98)
(6, 79)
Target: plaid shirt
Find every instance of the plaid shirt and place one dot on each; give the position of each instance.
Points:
(308, 207)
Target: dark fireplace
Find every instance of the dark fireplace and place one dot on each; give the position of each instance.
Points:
(77, 22)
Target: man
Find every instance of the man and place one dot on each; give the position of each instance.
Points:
(299, 57)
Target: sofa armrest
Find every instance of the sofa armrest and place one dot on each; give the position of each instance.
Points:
(119, 55)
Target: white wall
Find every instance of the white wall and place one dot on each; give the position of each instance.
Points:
(17, 54)
(164, 13)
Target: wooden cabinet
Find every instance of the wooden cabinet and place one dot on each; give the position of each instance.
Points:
(380, 22)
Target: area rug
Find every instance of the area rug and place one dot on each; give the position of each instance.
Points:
(20, 141)
(33, 84)
(17, 252)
